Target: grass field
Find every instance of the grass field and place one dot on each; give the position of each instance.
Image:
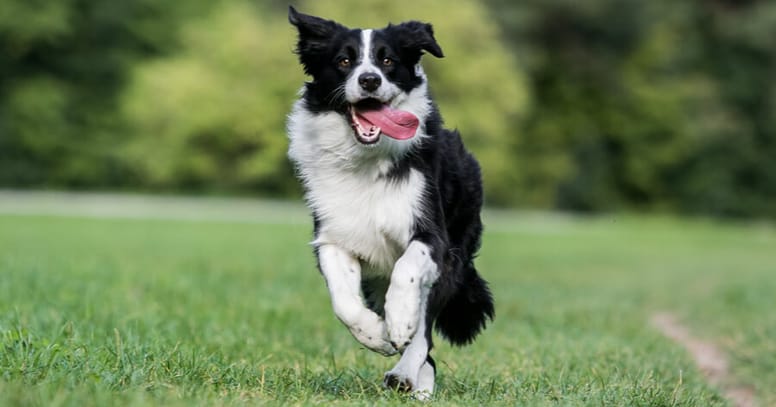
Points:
(108, 311)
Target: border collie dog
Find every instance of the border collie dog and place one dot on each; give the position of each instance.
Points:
(395, 197)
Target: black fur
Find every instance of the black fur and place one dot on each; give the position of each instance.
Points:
(460, 303)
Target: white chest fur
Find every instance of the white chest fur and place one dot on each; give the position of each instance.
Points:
(371, 218)
(359, 209)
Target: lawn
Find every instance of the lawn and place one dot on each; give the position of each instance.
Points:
(136, 311)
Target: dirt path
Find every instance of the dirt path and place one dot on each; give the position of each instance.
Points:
(711, 361)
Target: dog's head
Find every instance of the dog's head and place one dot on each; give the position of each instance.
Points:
(369, 76)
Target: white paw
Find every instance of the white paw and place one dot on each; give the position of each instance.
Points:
(402, 312)
(370, 331)
(405, 302)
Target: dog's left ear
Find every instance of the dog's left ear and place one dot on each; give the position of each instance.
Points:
(414, 35)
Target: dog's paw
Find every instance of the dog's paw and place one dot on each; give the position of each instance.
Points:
(370, 331)
(401, 328)
(381, 346)
(404, 384)
(402, 313)
(398, 381)
(412, 277)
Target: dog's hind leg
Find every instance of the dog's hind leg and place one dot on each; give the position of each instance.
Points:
(426, 377)
(342, 272)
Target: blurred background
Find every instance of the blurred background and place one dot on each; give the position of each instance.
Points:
(601, 105)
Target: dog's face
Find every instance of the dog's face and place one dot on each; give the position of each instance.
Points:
(368, 76)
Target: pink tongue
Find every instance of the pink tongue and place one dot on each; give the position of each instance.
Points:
(394, 123)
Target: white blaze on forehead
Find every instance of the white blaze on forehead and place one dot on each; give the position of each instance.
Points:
(365, 64)
(353, 91)
(366, 48)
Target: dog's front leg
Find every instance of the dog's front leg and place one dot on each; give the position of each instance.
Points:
(405, 302)
(343, 278)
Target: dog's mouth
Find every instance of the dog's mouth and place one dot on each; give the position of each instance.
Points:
(370, 118)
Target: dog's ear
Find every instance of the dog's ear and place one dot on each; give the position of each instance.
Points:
(315, 35)
(314, 32)
(416, 36)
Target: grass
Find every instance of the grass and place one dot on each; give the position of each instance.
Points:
(138, 312)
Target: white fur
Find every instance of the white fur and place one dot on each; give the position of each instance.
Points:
(372, 219)
(405, 302)
(405, 316)
(424, 387)
(353, 91)
(360, 209)
(343, 278)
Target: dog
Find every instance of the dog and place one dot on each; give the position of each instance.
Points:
(395, 198)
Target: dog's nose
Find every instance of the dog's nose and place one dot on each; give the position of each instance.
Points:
(369, 81)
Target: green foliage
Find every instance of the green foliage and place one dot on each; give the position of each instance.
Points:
(62, 66)
(600, 105)
(217, 117)
(631, 107)
(151, 312)
(213, 114)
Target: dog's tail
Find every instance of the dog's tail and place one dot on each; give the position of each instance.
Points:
(466, 313)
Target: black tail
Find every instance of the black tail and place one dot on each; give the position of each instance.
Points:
(467, 311)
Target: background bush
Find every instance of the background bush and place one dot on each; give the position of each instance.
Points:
(591, 106)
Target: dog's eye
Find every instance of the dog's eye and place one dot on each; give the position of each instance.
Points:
(344, 63)
(387, 61)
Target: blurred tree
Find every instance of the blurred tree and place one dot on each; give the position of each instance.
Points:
(212, 116)
(632, 105)
(731, 169)
(62, 65)
(214, 113)
(595, 105)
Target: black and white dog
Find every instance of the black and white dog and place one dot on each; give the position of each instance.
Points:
(395, 197)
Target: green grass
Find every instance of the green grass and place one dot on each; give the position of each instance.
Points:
(97, 312)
